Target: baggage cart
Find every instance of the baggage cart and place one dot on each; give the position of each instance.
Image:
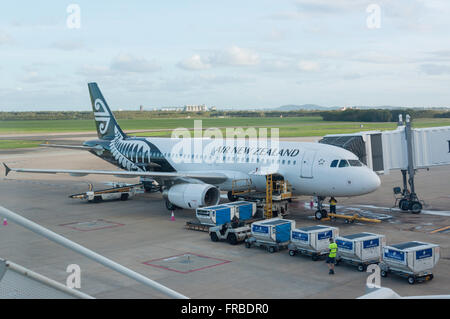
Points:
(412, 260)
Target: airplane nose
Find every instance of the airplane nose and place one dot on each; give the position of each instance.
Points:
(374, 181)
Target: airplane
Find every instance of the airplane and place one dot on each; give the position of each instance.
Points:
(193, 176)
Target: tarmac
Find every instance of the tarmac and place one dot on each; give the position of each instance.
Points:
(139, 234)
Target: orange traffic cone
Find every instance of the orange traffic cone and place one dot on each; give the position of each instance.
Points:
(172, 218)
(5, 222)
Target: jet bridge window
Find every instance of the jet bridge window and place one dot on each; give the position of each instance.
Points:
(343, 163)
(334, 163)
(355, 163)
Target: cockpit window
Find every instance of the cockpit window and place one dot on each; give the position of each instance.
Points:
(343, 163)
(355, 163)
(334, 163)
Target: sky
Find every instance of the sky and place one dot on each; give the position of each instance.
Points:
(229, 54)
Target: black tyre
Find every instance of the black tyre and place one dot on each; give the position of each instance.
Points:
(124, 196)
(318, 215)
(97, 199)
(247, 244)
(231, 197)
(291, 252)
(403, 204)
(170, 206)
(416, 207)
(315, 257)
(232, 239)
(383, 273)
(361, 267)
(271, 249)
(214, 237)
(411, 280)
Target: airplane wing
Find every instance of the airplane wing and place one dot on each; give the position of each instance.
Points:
(211, 177)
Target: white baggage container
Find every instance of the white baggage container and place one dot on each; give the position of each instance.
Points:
(276, 230)
(243, 210)
(215, 215)
(413, 260)
(360, 249)
(312, 240)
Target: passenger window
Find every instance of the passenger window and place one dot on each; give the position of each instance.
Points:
(343, 163)
(334, 163)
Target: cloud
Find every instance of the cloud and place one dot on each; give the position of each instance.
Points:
(131, 64)
(434, 69)
(232, 56)
(308, 66)
(195, 62)
(68, 45)
(34, 77)
(95, 70)
(5, 38)
(235, 56)
(326, 6)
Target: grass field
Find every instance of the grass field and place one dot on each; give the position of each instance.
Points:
(11, 144)
(288, 126)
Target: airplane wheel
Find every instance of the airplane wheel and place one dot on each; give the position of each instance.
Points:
(318, 215)
(170, 206)
(416, 207)
(231, 197)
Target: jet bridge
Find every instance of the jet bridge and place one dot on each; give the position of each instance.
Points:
(405, 149)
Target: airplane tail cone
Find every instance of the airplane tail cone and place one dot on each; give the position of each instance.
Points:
(172, 217)
(5, 222)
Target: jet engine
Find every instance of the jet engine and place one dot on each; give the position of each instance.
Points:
(191, 196)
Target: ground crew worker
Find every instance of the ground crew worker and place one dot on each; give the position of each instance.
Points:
(331, 259)
(333, 203)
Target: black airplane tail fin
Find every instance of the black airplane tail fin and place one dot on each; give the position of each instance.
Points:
(107, 127)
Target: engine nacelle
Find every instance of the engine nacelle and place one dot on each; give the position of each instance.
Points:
(191, 196)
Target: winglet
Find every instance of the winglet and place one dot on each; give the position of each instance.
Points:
(7, 169)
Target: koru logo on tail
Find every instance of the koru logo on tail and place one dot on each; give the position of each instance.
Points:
(101, 115)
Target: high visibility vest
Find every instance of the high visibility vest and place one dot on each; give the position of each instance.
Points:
(333, 202)
(333, 250)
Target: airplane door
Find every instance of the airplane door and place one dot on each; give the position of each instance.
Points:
(307, 164)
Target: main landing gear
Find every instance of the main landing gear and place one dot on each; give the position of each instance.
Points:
(320, 212)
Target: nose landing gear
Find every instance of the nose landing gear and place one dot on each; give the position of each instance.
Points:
(320, 212)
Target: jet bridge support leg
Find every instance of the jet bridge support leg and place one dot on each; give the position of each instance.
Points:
(409, 200)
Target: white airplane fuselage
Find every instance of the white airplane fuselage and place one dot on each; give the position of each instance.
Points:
(306, 166)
